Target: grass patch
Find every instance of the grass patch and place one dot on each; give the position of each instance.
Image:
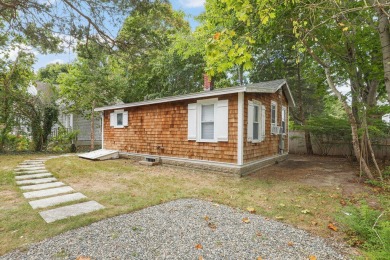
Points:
(123, 186)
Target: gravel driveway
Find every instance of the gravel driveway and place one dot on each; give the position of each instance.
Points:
(181, 230)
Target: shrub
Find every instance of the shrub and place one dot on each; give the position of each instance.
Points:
(370, 229)
(63, 141)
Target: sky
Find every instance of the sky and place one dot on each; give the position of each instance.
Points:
(191, 8)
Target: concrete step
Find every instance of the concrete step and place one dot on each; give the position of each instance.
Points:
(31, 172)
(33, 176)
(42, 186)
(70, 211)
(48, 192)
(52, 201)
(36, 181)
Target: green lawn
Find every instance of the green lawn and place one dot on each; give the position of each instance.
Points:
(123, 186)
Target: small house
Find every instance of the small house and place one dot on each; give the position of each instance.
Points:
(235, 130)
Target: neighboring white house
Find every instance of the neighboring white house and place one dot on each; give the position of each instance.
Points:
(78, 123)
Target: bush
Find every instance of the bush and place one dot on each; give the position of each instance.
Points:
(63, 141)
(16, 143)
(369, 229)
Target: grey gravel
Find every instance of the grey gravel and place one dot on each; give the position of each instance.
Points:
(172, 231)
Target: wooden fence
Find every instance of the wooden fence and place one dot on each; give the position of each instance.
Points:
(297, 145)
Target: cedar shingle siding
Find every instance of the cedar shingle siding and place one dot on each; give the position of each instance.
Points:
(270, 145)
(161, 129)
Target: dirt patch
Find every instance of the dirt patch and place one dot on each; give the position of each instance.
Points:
(317, 171)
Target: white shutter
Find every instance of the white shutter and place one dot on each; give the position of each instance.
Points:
(192, 121)
(262, 123)
(112, 119)
(222, 120)
(250, 122)
(125, 118)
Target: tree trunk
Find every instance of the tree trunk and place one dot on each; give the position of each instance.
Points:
(384, 37)
(352, 121)
(93, 126)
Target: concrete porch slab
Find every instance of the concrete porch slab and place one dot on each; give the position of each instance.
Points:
(36, 181)
(33, 176)
(70, 211)
(42, 186)
(48, 192)
(52, 201)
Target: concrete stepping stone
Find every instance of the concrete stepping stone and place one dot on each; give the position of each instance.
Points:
(70, 211)
(33, 176)
(31, 172)
(42, 186)
(29, 168)
(32, 163)
(52, 201)
(48, 192)
(36, 181)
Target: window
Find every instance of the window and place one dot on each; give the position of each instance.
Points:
(208, 120)
(119, 118)
(284, 116)
(274, 119)
(207, 123)
(256, 122)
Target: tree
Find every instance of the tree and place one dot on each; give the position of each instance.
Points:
(93, 80)
(51, 72)
(334, 33)
(153, 67)
(15, 77)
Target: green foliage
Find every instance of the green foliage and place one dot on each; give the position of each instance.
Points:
(16, 143)
(63, 141)
(51, 72)
(153, 64)
(370, 229)
(328, 132)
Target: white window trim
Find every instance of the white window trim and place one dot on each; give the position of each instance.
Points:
(276, 115)
(258, 105)
(116, 112)
(285, 120)
(200, 103)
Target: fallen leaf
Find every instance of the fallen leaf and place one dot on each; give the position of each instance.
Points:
(312, 257)
(81, 257)
(305, 211)
(332, 227)
(343, 203)
(206, 218)
(290, 243)
(258, 234)
(259, 258)
(217, 35)
(199, 246)
(246, 220)
(200, 257)
(282, 205)
(251, 210)
(212, 225)
(314, 223)
(279, 217)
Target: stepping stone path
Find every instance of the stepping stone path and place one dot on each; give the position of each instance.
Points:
(45, 191)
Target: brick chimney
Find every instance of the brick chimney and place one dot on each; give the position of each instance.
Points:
(208, 83)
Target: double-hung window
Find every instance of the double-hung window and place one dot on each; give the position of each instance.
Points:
(207, 122)
(274, 113)
(284, 119)
(256, 122)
